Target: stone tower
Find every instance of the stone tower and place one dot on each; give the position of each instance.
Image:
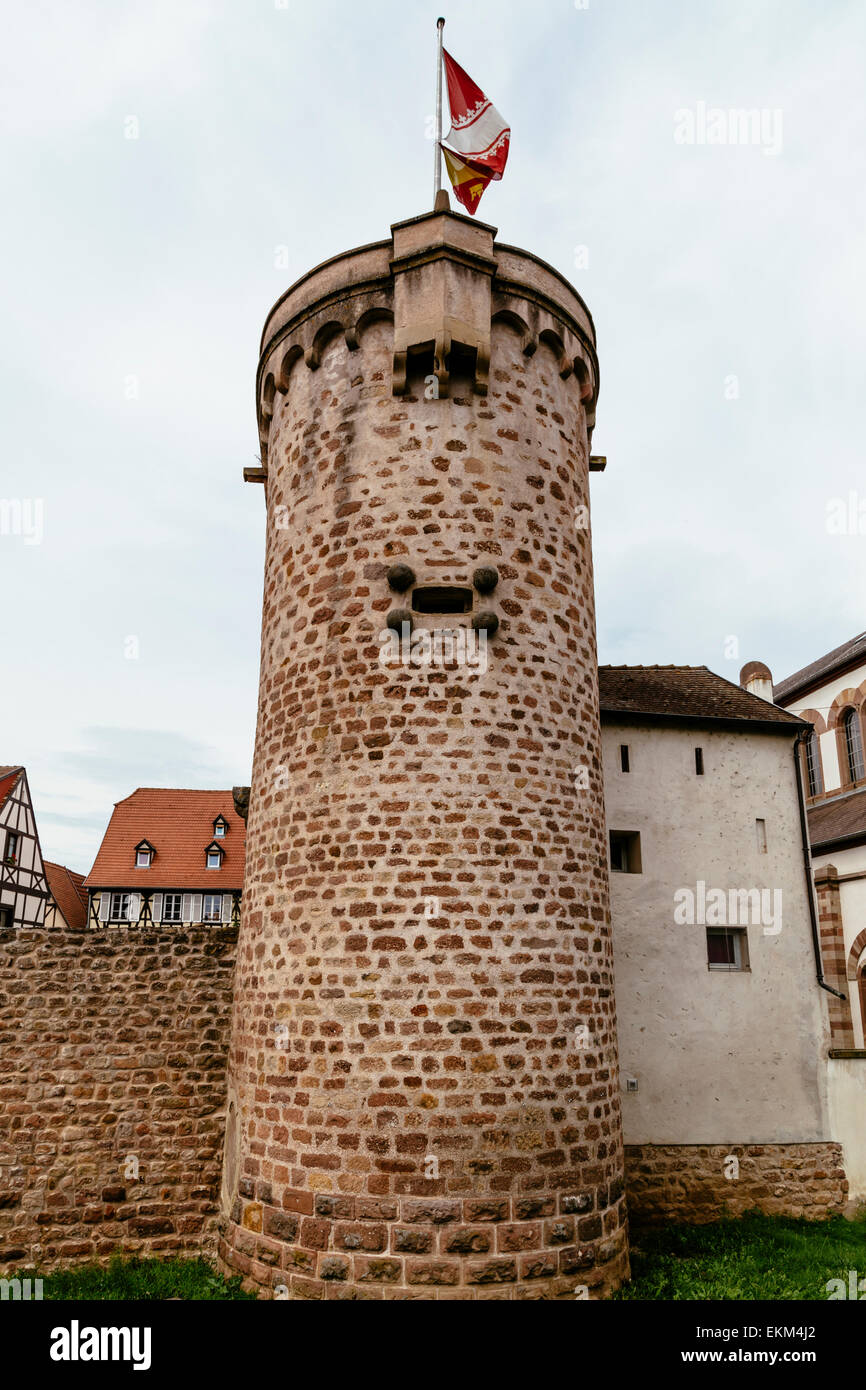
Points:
(423, 1082)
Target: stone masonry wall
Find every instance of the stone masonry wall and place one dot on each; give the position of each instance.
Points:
(688, 1182)
(113, 1044)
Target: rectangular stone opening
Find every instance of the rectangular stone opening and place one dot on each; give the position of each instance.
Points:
(420, 371)
(625, 855)
(441, 598)
(462, 363)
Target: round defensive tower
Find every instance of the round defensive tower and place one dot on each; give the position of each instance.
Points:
(423, 1082)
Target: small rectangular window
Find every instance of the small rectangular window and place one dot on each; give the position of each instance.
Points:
(761, 835)
(119, 906)
(214, 859)
(212, 910)
(5, 918)
(625, 852)
(11, 855)
(727, 948)
(699, 762)
(623, 756)
(171, 907)
(219, 830)
(142, 859)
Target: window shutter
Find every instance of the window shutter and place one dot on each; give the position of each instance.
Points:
(196, 908)
(104, 905)
(227, 907)
(134, 911)
(156, 907)
(186, 908)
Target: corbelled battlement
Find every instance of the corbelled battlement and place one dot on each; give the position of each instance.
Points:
(442, 282)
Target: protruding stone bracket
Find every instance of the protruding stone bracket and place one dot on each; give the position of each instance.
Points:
(442, 339)
(441, 361)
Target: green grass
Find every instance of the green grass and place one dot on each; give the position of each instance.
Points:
(127, 1277)
(766, 1257)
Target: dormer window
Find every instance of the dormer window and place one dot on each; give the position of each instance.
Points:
(220, 827)
(144, 852)
(214, 855)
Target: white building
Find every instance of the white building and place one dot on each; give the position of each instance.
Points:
(722, 1009)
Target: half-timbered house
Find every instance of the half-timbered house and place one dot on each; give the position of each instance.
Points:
(170, 857)
(23, 885)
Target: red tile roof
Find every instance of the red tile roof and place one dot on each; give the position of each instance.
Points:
(8, 777)
(70, 895)
(685, 693)
(179, 825)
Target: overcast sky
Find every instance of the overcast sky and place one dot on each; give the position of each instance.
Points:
(726, 283)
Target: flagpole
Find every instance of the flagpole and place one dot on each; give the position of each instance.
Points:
(437, 161)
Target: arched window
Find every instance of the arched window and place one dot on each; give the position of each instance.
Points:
(814, 777)
(853, 745)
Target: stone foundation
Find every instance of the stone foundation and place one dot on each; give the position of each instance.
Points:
(113, 1047)
(687, 1182)
(430, 1248)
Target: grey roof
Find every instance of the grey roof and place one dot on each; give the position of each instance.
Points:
(688, 694)
(837, 822)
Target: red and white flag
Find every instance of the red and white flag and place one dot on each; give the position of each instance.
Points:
(479, 137)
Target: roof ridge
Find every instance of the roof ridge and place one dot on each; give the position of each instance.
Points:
(199, 791)
(670, 666)
(799, 677)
